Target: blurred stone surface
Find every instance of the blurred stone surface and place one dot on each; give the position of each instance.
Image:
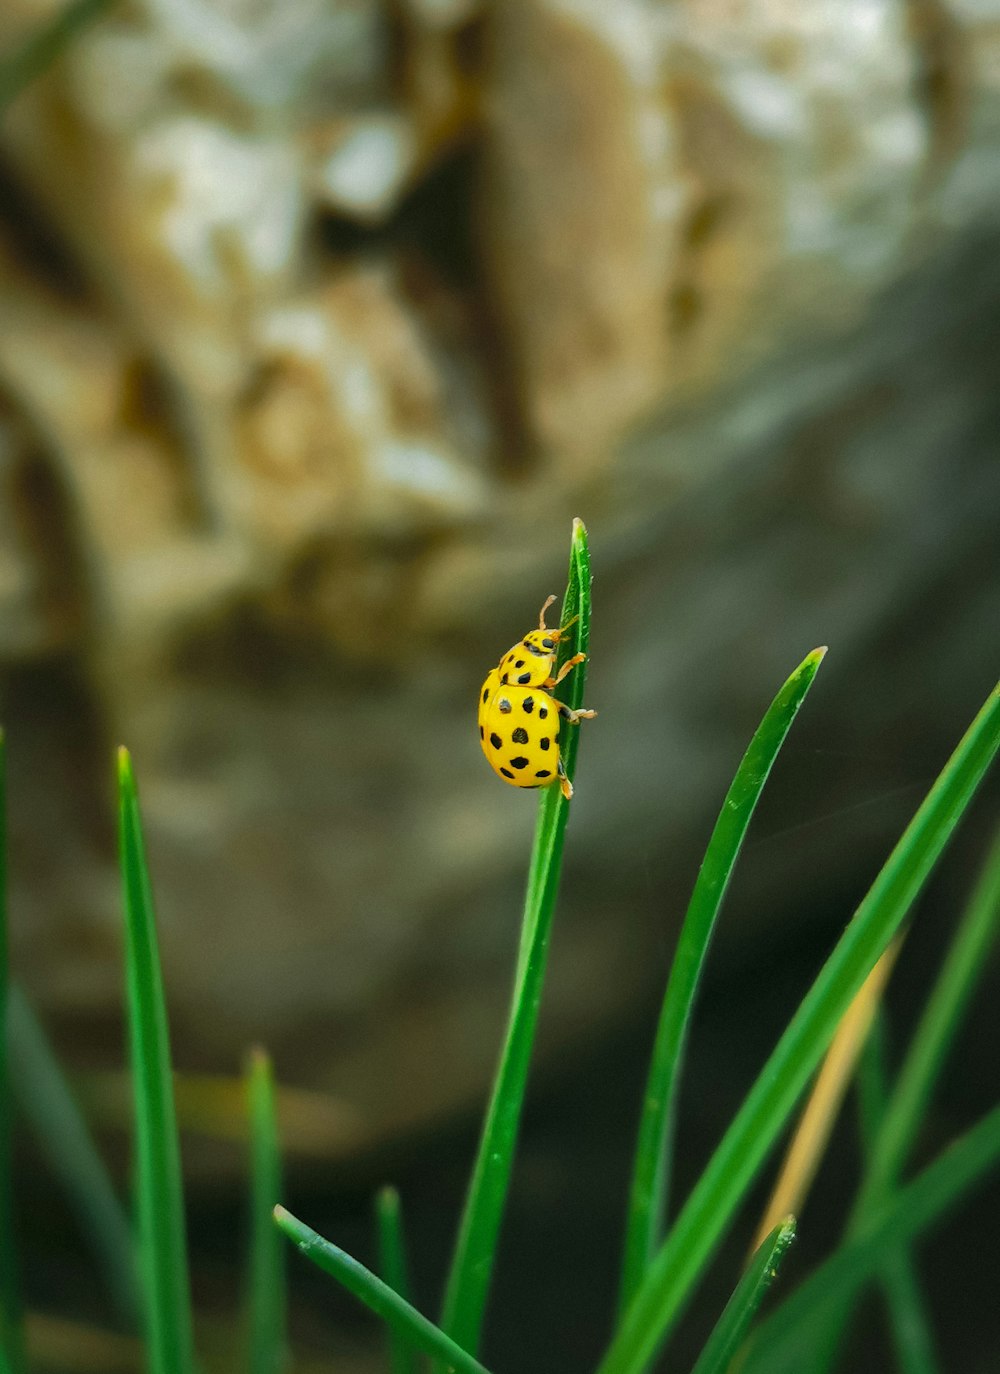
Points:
(318, 323)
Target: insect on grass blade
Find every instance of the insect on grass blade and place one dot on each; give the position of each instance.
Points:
(471, 1270)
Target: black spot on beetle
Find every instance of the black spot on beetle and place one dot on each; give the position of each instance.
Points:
(524, 679)
(543, 711)
(528, 705)
(503, 679)
(504, 706)
(547, 644)
(543, 773)
(544, 743)
(482, 732)
(519, 663)
(496, 741)
(486, 694)
(520, 735)
(506, 774)
(519, 762)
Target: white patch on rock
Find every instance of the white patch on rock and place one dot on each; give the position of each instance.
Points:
(369, 167)
(225, 197)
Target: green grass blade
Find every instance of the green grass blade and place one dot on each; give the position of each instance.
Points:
(784, 1341)
(553, 813)
(911, 1327)
(680, 1260)
(11, 1316)
(266, 1324)
(42, 47)
(733, 1326)
(650, 1175)
(925, 1058)
(472, 1265)
(159, 1191)
(871, 1081)
(46, 1101)
(935, 1034)
(393, 1268)
(382, 1299)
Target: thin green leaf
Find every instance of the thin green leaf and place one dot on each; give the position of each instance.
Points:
(732, 1327)
(784, 1342)
(939, 1024)
(266, 1285)
(43, 46)
(870, 1081)
(472, 1265)
(650, 1174)
(928, 1050)
(160, 1198)
(393, 1268)
(382, 1299)
(11, 1316)
(46, 1101)
(911, 1327)
(718, 1193)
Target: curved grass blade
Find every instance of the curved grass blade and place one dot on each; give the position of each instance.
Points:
(11, 1315)
(812, 1134)
(42, 47)
(393, 1267)
(929, 1047)
(472, 1265)
(266, 1284)
(159, 1193)
(784, 1341)
(934, 1035)
(911, 1327)
(46, 1101)
(732, 1327)
(911, 1330)
(650, 1174)
(382, 1299)
(713, 1202)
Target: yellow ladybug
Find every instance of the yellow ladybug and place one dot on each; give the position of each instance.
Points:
(518, 720)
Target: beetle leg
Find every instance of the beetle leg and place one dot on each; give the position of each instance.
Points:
(564, 782)
(574, 717)
(567, 667)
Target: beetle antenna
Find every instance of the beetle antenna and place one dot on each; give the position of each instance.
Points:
(568, 626)
(541, 613)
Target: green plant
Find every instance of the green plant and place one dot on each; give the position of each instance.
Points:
(663, 1262)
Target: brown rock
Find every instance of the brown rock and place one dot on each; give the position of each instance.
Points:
(283, 469)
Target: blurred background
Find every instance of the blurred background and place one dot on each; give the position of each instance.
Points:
(319, 322)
